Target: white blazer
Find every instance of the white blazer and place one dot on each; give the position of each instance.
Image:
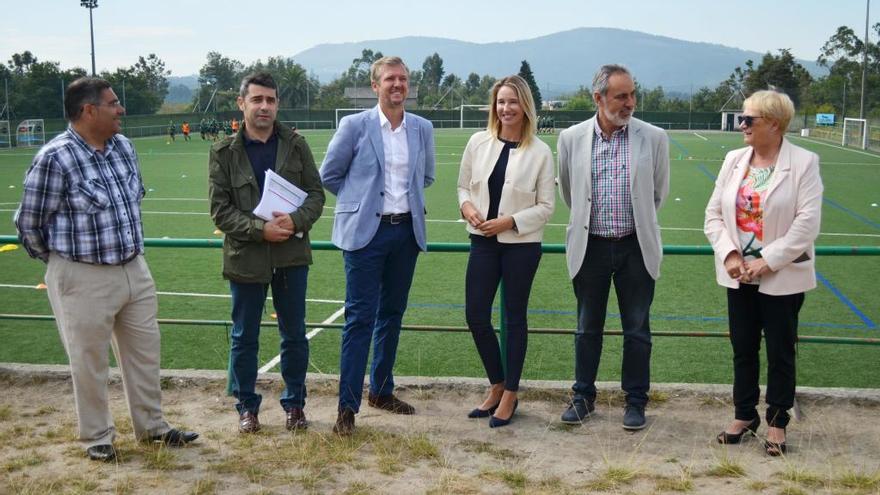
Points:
(792, 213)
(528, 194)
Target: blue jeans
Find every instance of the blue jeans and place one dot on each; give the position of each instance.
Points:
(289, 298)
(377, 281)
(620, 261)
(490, 262)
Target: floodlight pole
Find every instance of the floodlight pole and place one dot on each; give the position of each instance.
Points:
(6, 90)
(91, 5)
(864, 61)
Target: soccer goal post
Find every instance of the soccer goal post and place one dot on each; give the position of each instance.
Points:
(855, 133)
(30, 132)
(342, 112)
(5, 134)
(481, 122)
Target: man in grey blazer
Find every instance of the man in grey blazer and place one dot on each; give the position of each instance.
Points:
(614, 177)
(378, 165)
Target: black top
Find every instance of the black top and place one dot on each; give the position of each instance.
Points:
(496, 180)
(262, 156)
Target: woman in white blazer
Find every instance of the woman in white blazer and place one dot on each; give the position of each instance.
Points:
(762, 220)
(506, 192)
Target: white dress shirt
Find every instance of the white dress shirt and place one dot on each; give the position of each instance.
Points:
(396, 166)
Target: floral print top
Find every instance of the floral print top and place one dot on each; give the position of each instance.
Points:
(750, 210)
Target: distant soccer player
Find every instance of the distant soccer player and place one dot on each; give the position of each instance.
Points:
(185, 129)
(172, 131)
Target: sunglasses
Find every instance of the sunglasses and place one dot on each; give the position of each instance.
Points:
(748, 120)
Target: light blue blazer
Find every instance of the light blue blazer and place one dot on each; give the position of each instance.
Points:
(354, 171)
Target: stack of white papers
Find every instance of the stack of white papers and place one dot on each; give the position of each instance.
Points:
(279, 195)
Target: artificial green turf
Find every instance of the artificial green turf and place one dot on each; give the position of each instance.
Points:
(687, 297)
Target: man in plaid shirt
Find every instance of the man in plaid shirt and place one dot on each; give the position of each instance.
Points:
(614, 176)
(80, 214)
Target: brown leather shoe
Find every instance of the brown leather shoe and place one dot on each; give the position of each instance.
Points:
(248, 422)
(390, 403)
(344, 423)
(296, 419)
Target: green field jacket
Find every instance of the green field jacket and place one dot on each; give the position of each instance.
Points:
(234, 194)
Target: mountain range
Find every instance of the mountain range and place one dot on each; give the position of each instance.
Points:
(561, 62)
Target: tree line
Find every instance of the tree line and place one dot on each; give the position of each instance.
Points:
(36, 87)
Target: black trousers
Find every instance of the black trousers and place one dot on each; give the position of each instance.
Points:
(749, 312)
(490, 262)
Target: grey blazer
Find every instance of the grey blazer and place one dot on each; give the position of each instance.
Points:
(649, 185)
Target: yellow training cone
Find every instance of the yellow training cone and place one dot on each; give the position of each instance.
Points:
(218, 232)
(8, 247)
(274, 316)
(40, 287)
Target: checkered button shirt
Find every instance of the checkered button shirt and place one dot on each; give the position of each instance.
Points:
(611, 213)
(81, 203)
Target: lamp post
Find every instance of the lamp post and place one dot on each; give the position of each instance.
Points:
(864, 61)
(91, 5)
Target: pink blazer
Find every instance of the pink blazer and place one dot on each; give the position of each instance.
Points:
(792, 211)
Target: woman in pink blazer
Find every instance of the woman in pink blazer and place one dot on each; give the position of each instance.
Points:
(762, 220)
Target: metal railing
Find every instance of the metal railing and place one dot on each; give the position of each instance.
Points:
(453, 247)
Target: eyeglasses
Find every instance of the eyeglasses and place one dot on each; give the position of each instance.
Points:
(748, 120)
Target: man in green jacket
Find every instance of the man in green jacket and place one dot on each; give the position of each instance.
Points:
(257, 253)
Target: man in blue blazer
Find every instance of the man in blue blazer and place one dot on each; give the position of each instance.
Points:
(378, 165)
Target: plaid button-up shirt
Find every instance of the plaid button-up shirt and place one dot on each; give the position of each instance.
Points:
(81, 203)
(611, 213)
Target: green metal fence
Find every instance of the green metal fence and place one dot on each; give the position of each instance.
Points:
(444, 247)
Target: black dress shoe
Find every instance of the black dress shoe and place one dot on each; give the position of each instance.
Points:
(482, 413)
(344, 423)
(496, 422)
(175, 437)
(390, 403)
(105, 452)
(735, 438)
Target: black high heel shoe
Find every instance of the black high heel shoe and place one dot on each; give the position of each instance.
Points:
(483, 413)
(496, 422)
(774, 449)
(734, 438)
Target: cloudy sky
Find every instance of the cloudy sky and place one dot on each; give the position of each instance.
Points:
(181, 32)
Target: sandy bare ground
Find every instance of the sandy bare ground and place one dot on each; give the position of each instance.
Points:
(835, 447)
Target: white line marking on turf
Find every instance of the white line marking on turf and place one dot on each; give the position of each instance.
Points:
(277, 359)
(838, 147)
(186, 294)
(701, 137)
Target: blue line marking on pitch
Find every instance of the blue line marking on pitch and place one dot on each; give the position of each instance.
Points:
(851, 213)
(678, 145)
(834, 290)
(706, 172)
(714, 319)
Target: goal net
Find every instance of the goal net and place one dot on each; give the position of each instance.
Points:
(31, 132)
(474, 116)
(855, 133)
(5, 135)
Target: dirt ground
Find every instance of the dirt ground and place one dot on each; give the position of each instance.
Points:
(835, 446)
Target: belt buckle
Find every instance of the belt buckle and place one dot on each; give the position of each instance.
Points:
(394, 219)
